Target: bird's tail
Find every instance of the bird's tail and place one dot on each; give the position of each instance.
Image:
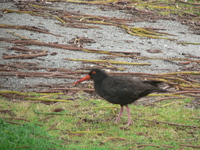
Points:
(153, 82)
(156, 84)
(161, 90)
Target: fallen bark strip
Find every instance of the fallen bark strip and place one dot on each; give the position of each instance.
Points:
(173, 79)
(13, 122)
(168, 76)
(163, 99)
(8, 70)
(188, 43)
(110, 53)
(19, 36)
(52, 113)
(67, 89)
(183, 92)
(20, 123)
(171, 59)
(32, 28)
(38, 74)
(135, 74)
(66, 73)
(86, 72)
(113, 138)
(46, 118)
(62, 46)
(103, 66)
(12, 118)
(168, 146)
(22, 48)
(88, 132)
(69, 15)
(179, 83)
(53, 127)
(25, 56)
(193, 146)
(152, 28)
(46, 99)
(32, 67)
(188, 88)
(148, 145)
(77, 25)
(9, 112)
(109, 61)
(144, 32)
(113, 4)
(169, 123)
(13, 92)
(182, 72)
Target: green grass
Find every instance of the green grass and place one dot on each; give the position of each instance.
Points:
(26, 136)
(89, 124)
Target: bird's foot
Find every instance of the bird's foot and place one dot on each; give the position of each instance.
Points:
(116, 122)
(129, 123)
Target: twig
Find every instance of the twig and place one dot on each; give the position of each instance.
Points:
(22, 48)
(163, 99)
(183, 92)
(62, 46)
(169, 123)
(31, 28)
(113, 138)
(53, 126)
(109, 61)
(13, 92)
(193, 146)
(46, 99)
(37, 74)
(68, 89)
(12, 118)
(146, 145)
(89, 132)
(44, 119)
(26, 56)
(188, 43)
(13, 122)
(52, 113)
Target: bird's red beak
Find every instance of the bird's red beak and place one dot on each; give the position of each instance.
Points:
(83, 79)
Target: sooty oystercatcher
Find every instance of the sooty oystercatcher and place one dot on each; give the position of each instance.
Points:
(121, 90)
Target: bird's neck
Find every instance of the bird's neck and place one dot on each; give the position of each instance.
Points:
(98, 82)
(100, 79)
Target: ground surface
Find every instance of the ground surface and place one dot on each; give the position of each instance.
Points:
(106, 37)
(37, 59)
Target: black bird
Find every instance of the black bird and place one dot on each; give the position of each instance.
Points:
(121, 90)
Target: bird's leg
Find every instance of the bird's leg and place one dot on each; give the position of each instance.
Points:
(129, 116)
(120, 114)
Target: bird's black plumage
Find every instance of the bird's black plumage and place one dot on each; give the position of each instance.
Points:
(121, 90)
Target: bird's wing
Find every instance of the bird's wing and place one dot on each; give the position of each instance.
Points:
(119, 90)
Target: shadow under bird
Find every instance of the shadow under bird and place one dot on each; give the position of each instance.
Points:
(120, 90)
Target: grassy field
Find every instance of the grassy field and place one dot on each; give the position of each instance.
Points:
(89, 124)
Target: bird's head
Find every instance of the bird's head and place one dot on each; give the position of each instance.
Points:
(95, 74)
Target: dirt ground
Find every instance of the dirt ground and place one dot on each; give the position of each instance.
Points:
(169, 55)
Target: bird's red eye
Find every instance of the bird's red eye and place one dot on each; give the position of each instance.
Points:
(94, 72)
